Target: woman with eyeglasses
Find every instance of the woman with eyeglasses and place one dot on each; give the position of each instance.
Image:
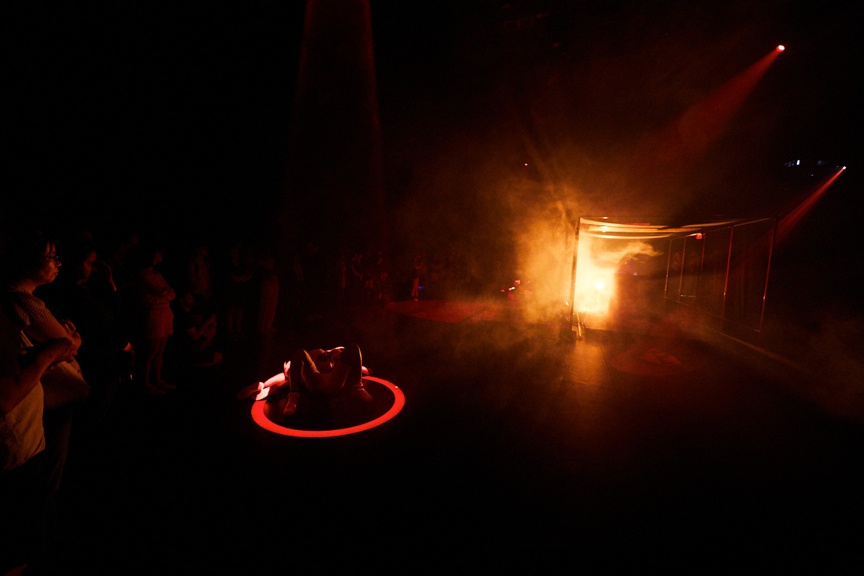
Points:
(30, 260)
(85, 293)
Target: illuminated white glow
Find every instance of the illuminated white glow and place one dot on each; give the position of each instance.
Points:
(599, 260)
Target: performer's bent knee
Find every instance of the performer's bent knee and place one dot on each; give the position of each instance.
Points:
(351, 355)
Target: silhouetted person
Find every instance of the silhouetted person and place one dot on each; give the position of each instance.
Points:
(237, 295)
(329, 373)
(195, 329)
(152, 321)
(30, 261)
(199, 278)
(85, 293)
(268, 294)
(25, 466)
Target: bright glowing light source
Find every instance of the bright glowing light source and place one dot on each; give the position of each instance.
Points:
(698, 236)
(595, 282)
(600, 261)
(781, 48)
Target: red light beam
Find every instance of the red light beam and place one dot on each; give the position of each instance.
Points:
(702, 124)
(788, 222)
(671, 150)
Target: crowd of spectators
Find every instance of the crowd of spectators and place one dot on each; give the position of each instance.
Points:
(91, 316)
(124, 310)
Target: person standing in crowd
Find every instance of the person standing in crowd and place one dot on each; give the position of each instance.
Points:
(85, 293)
(238, 291)
(198, 276)
(29, 261)
(25, 479)
(152, 318)
(418, 274)
(195, 329)
(268, 294)
(116, 251)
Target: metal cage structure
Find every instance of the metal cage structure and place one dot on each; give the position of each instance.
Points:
(628, 274)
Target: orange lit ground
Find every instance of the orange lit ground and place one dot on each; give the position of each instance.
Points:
(462, 311)
(623, 451)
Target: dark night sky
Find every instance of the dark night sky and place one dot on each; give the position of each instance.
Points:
(143, 108)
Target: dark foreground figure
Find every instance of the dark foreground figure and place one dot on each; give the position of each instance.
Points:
(330, 373)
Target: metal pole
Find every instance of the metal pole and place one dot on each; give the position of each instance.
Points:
(726, 279)
(681, 270)
(668, 265)
(573, 272)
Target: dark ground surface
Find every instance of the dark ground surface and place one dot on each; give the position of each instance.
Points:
(516, 448)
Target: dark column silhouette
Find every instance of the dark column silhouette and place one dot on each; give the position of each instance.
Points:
(333, 188)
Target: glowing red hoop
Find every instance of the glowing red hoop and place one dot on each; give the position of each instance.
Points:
(263, 421)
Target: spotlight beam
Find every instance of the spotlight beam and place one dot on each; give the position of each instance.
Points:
(791, 220)
(668, 153)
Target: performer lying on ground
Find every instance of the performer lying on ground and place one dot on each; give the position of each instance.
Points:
(330, 372)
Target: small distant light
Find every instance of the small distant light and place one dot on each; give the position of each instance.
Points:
(780, 48)
(525, 164)
(698, 236)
